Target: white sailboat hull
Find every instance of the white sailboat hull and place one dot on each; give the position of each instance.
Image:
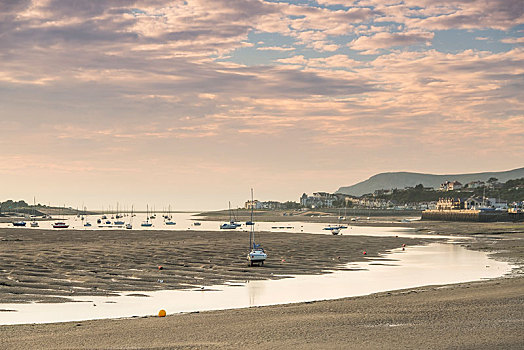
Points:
(256, 256)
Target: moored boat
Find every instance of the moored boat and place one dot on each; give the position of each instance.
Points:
(147, 223)
(256, 255)
(231, 225)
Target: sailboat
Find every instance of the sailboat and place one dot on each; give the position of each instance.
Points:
(34, 223)
(19, 223)
(231, 225)
(118, 216)
(87, 224)
(147, 223)
(169, 218)
(256, 254)
(335, 229)
(60, 224)
(153, 215)
(129, 225)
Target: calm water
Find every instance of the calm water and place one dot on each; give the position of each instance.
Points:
(436, 263)
(186, 222)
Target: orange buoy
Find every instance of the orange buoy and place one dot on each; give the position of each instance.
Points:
(160, 267)
(162, 313)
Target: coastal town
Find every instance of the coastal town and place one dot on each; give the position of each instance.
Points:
(480, 197)
(450, 195)
(490, 200)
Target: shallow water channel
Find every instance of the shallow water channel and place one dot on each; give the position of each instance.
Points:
(433, 264)
(185, 221)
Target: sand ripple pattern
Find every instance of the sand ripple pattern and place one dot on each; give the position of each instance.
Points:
(50, 266)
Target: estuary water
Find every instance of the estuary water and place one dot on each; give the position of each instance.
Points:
(433, 264)
(187, 221)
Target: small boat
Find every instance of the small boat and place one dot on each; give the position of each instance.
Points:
(104, 217)
(169, 218)
(117, 214)
(87, 224)
(119, 223)
(19, 223)
(197, 223)
(256, 255)
(99, 221)
(60, 224)
(335, 229)
(34, 223)
(129, 225)
(108, 222)
(228, 226)
(147, 223)
(249, 223)
(232, 225)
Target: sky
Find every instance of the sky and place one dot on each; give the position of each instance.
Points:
(192, 103)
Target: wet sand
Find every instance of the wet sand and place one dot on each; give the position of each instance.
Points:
(485, 315)
(52, 265)
(477, 315)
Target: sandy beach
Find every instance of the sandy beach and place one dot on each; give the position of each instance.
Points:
(487, 315)
(477, 315)
(51, 265)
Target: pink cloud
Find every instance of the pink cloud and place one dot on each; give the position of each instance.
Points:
(371, 44)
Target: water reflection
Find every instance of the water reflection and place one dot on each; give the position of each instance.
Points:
(186, 222)
(433, 264)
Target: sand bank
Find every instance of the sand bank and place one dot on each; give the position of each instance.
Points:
(52, 265)
(478, 315)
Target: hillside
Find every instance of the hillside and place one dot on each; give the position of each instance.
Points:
(406, 179)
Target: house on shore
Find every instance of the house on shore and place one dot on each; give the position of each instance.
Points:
(318, 200)
(450, 186)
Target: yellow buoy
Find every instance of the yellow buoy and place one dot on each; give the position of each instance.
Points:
(162, 313)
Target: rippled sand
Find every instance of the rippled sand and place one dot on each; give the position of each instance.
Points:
(51, 265)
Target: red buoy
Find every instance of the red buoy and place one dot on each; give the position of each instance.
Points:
(364, 252)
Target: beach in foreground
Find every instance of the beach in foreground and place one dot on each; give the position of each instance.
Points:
(482, 315)
(476, 315)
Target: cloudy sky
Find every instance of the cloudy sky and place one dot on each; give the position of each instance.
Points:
(191, 103)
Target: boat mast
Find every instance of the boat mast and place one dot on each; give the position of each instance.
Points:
(252, 233)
